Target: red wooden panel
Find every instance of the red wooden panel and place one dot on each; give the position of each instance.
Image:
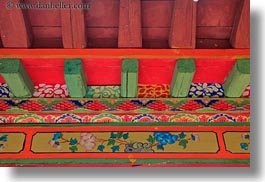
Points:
(155, 44)
(15, 27)
(156, 13)
(213, 32)
(102, 37)
(47, 32)
(183, 27)
(48, 71)
(102, 13)
(153, 71)
(47, 37)
(44, 18)
(107, 72)
(130, 32)
(240, 37)
(217, 12)
(1, 45)
(213, 44)
(48, 43)
(155, 37)
(155, 33)
(73, 26)
(212, 70)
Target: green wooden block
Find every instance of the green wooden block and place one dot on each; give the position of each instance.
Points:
(238, 79)
(75, 78)
(16, 77)
(129, 78)
(182, 78)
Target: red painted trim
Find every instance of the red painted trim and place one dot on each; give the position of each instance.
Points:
(103, 66)
(126, 165)
(30, 131)
(124, 53)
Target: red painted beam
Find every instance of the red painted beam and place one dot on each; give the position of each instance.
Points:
(240, 36)
(183, 28)
(130, 31)
(107, 71)
(73, 26)
(125, 53)
(15, 27)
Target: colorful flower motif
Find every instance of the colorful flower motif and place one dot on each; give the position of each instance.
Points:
(145, 118)
(2, 147)
(86, 119)
(153, 91)
(165, 138)
(243, 119)
(2, 120)
(68, 118)
(127, 118)
(88, 141)
(245, 136)
(222, 118)
(5, 91)
(195, 137)
(200, 90)
(51, 91)
(29, 118)
(105, 141)
(184, 118)
(106, 118)
(55, 145)
(204, 118)
(3, 139)
(103, 92)
(164, 118)
(138, 147)
(49, 119)
(246, 93)
(244, 146)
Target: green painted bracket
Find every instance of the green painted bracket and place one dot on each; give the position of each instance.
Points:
(182, 77)
(75, 78)
(238, 78)
(16, 77)
(129, 78)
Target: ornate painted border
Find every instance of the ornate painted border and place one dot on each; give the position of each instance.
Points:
(130, 145)
(172, 105)
(125, 118)
(197, 90)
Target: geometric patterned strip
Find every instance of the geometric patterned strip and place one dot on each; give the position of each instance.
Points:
(126, 118)
(120, 105)
(197, 90)
(130, 146)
